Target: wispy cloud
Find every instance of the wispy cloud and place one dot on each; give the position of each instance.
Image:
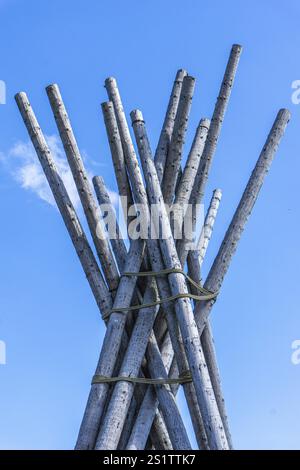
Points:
(22, 163)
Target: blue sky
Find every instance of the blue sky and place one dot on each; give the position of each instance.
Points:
(49, 320)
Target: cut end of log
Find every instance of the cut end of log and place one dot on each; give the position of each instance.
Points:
(237, 47)
(217, 193)
(51, 87)
(190, 79)
(21, 99)
(284, 114)
(204, 122)
(97, 178)
(110, 81)
(136, 115)
(106, 105)
(181, 73)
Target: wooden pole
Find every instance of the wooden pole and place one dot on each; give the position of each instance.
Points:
(212, 138)
(184, 312)
(187, 179)
(118, 245)
(146, 413)
(156, 261)
(139, 194)
(90, 423)
(81, 245)
(118, 406)
(162, 437)
(210, 146)
(208, 225)
(117, 154)
(83, 186)
(111, 345)
(177, 141)
(168, 125)
(195, 260)
(132, 166)
(216, 122)
(144, 419)
(228, 247)
(167, 128)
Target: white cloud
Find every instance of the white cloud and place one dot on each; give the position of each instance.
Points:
(25, 167)
(23, 164)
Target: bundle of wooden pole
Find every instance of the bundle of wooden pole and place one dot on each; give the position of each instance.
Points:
(158, 335)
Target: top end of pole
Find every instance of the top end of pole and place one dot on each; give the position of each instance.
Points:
(53, 93)
(237, 48)
(136, 116)
(106, 105)
(97, 178)
(110, 81)
(20, 94)
(189, 79)
(204, 122)
(284, 114)
(181, 73)
(21, 99)
(217, 193)
(51, 86)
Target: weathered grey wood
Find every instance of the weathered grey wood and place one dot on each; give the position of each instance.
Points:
(146, 414)
(228, 247)
(118, 245)
(129, 152)
(168, 125)
(159, 434)
(194, 272)
(182, 196)
(110, 350)
(85, 254)
(97, 398)
(166, 398)
(83, 250)
(217, 120)
(185, 186)
(104, 198)
(208, 224)
(83, 185)
(118, 406)
(195, 260)
(143, 421)
(120, 252)
(184, 312)
(91, 419)
(200, 182)
(157, 355)
(153, 249)
(139, 191)
(214, 133)
(198, 191)
(188, 387)
(141, 197)
(117, 154)
(177, 141)
(212, 137)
